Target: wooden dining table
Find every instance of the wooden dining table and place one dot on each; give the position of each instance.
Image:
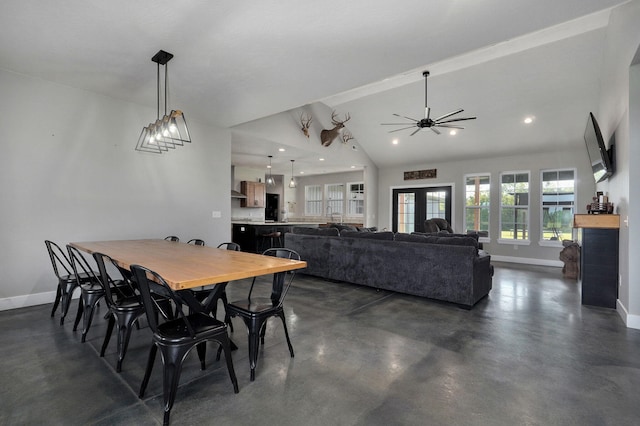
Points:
(184, 266)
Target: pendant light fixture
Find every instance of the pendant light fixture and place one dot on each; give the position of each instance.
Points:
(270, 180)
(170, 130)
(292, 183)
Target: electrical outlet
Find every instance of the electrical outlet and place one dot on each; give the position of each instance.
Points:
(216, 214)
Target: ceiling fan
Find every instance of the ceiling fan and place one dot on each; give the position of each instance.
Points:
(427, 122)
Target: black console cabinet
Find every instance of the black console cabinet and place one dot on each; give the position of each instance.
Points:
(598, 239)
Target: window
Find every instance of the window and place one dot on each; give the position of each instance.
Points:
(477, 204)
(514, 207)
(313, 200)
(335, 199)
(356, 199)
(405, 212)
(558, 201)
(436, 204)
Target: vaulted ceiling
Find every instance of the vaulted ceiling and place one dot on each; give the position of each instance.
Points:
(236, 62)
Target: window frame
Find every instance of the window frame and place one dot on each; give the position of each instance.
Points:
(307, 201)
(514, 241)
(478, 207)
(329, 200)
(349, 192)
(555, 243)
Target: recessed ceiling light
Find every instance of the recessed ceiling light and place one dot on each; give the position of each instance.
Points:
(281, 149)
(301, 173)
(453, 132)
(353, 167)
(395, 141)
(528, 120)
(321, 159)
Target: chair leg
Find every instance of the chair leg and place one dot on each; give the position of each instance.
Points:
(254, 325)
(227, 317)
(107, 336)
(56, 302)
(67, 293)
(125, 324)
(147, 373)
(90, 303)
(202, 354)
(286, 332)
(172, 357)
(81, 305)
(226, 347)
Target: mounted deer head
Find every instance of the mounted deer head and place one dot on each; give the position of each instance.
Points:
(347, 136)
(305, 122)
(327, 136)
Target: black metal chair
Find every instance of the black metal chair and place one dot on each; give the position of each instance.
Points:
(91, 291)
(217, 292)
(177, 337)
(257, 310)
(67, 280)
(269, 240)
(172, 238)
(196, 241)
(125, 308)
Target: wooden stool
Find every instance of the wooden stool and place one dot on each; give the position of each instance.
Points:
(271, 240)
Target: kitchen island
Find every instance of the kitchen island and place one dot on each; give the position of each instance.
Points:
(248, 233)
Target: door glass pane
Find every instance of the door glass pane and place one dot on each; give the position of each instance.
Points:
(406, 212)
(436, 204)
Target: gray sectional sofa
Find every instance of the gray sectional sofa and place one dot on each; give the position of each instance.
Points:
(448, 268)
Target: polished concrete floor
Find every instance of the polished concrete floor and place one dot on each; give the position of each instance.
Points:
(529, 354)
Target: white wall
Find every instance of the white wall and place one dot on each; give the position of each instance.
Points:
(69, 172)
(623, 40)
(453, 173)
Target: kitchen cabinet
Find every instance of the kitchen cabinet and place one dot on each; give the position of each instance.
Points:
(255, 193)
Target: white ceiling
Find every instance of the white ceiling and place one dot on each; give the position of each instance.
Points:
(240, 61)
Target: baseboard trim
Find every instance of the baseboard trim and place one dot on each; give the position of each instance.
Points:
(528, 261)
(24, 301)
(631, 321)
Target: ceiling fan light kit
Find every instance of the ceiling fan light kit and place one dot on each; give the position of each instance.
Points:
(427, 122)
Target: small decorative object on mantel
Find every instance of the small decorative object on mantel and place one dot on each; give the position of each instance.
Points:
(327, 136)
(421, 174)
(600, 205)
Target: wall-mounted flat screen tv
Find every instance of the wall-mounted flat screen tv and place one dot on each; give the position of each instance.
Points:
(601, 163)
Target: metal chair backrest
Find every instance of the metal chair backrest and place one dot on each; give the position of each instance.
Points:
(58, 259)
(172, 238)
(196, 241)
(230, 246)
(279, 289)
(80, 265)
(158, 286)
(112, 290)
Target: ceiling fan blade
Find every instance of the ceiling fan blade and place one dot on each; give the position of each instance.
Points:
(449, 126)
(453, 120)
(415, 131)
(448, 115)
(408, 118)
(436, 131)
(404, 128)
(397, 124)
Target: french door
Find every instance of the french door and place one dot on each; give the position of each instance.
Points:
(412, 206)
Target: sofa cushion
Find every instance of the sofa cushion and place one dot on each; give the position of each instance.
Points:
(386, 235)
(414, 238)
(341, 227)
(315, 231)
(371, 229)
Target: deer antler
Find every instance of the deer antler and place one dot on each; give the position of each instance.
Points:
(305, 122)
(346, 136)
(336, 122)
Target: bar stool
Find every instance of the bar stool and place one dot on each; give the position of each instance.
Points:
(270, 240)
